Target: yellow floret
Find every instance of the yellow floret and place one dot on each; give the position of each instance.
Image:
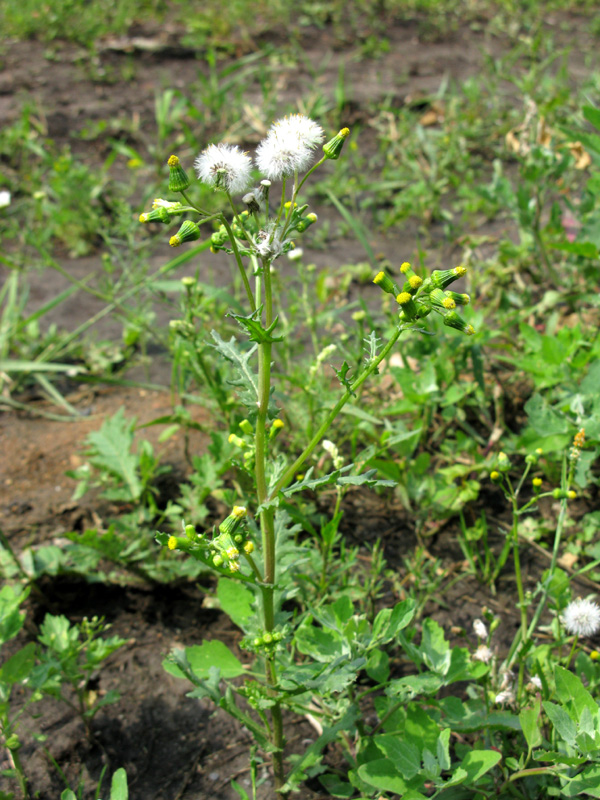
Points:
(403, 298)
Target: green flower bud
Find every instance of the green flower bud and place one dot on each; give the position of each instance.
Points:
(386, 284)
(156, 215)
(359, 316)
(531, 458)
(442, 278)
(178, 180)
(217, 561)
(559, 494)
(246, 427)
(333, 147)
(257, 642)
(503, 462)
(461, 299)
(232, 522)
(188, 232)
(423, 310)
(267, 638)
(454, 320)
(190, 531)
(409, 307)
(276, 426)
(439, 299)
(304, 222)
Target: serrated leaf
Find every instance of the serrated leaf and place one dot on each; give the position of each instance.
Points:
(110, 450)
(342, 373)
(255, 329)
(240, 360)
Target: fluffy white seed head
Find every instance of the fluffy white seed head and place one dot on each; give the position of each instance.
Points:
(582, 617)
(288, 147)
(224, 166)
(479, 629)
(4, 198)
(483, 653)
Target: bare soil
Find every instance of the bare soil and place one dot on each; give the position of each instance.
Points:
(174, 748)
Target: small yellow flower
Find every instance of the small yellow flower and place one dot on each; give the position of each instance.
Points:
(537, 482)
(595, 655)
(403, 298)
(415, 281)
(173, 161)
(404, 267)
(248, 548)
(571, 494)
(239, 511)
(172, 543)
(233, 553)
(175, 241)
(448, 303)
(494, 476)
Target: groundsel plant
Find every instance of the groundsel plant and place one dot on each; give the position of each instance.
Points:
(252, 545)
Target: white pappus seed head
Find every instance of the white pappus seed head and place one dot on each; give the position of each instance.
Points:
(582, 617)
(483, 653)
(288, 147)
(224, 166)
(479, 628)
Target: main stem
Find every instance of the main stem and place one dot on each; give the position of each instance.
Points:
(267, 523)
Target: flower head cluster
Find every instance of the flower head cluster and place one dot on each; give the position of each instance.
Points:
(582, 617)
(578, 443)
(288, 147)
(224, 166)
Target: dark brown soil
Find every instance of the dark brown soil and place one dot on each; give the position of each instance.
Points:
(175, 748)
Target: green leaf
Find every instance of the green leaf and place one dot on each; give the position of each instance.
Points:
(477, 762)
(377, 666)
(383, 775)
(68, 794)
(571, 690)
(404, 755)
(336, 787)
(529, 718)
(118, 786)
(562, 722)
(246, 379)
(435, 648)
(586, 783)
(257, 333)
(202, 657)
(389, 622)
(342, 374)
(592, 115)
(109, 450)
(236, 601)
(18, 667)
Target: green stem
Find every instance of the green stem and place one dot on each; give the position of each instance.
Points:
(21, 778)
(267, 523)
(238, 258)
(334, 411)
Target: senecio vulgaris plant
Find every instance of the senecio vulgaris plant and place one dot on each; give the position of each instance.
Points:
(252, 545)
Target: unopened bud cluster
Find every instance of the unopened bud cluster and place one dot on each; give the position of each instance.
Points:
(225, 549)
(418, 297)
(265, 642)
